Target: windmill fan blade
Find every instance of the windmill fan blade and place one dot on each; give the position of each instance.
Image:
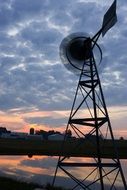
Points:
(71, 51)
(75, 49)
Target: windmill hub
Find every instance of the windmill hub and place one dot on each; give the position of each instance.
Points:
(80, 49)
(76, 49)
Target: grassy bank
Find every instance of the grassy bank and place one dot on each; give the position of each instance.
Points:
(53, 148)
(11, 184)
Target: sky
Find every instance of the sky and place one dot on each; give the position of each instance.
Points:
(36, 90)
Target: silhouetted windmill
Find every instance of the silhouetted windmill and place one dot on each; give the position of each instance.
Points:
(89, 118)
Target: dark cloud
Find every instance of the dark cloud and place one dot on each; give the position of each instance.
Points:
(41, 36)
(53, 122)
(87, 17)
(27, 7)
(5, 17)
(47, 163)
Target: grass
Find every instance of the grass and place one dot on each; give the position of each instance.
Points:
(49, 187)
(53, 148)
(12, 184)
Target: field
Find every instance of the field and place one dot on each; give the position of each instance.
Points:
(72, 147)
(11, 184)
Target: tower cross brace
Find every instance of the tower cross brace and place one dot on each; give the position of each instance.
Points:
(89, 121)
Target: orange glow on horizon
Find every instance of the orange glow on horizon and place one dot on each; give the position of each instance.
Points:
(12, 163)
(17, 119)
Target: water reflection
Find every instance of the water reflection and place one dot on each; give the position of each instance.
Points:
(40, 169)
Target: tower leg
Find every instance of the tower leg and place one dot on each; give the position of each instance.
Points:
(94, 129)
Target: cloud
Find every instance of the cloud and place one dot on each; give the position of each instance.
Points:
(49, 121)
(31, 73)
(31, 70)
(38, 170)
(83, 22)
(47, 163)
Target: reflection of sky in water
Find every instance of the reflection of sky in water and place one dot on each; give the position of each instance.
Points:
(41, 169)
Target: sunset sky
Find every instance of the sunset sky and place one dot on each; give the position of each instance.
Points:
(36, 90)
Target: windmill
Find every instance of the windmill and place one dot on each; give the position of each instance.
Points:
(89, 119)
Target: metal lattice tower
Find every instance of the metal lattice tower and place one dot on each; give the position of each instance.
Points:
(89, 121)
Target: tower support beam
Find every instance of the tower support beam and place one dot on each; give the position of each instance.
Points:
(89, 120)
